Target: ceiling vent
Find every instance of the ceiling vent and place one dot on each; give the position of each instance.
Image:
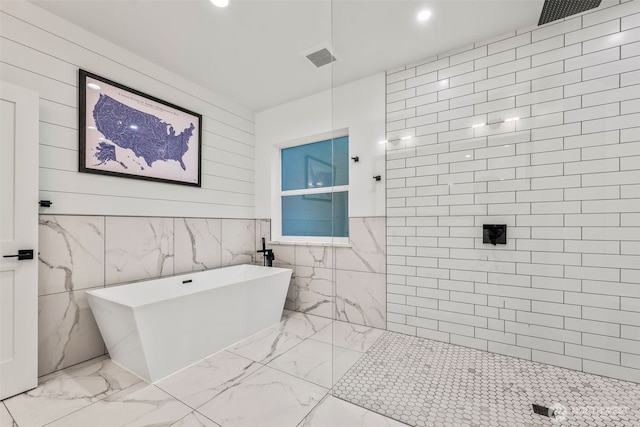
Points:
(320, 55)
(558, 9)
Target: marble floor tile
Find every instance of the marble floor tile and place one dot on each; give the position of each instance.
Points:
(346, 335)
(69, 390)
(140, 405)
(195, 419)
(265, 346)
(317, 362)
(286, 313)
(413, 380)
(302, 325)
(5, 417)
(203, 381)
(334, 412)
(267, 398)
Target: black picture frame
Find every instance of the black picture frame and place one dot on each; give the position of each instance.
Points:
(126, 133)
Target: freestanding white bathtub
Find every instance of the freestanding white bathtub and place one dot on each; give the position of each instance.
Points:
(157, 327)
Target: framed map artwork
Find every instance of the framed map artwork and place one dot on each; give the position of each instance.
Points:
(124, 132)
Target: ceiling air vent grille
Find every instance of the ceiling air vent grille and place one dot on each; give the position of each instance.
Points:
(321, 57)
(558, 9)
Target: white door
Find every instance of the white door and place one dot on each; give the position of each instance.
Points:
(18, 232)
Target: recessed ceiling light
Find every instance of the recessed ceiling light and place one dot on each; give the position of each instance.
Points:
(220, 3)
(424, 15)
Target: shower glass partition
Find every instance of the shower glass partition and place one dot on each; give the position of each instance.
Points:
(469, 113)
(359, 265)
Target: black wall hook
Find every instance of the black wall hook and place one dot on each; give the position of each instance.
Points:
(377, 177)
(45, 203)
(356, 159)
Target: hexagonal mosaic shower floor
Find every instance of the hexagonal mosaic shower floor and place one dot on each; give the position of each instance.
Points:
(429, 383)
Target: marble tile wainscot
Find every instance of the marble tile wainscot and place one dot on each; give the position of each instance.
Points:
(86, 252)
(346, 283)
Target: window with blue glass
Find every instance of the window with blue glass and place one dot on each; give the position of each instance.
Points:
(315, 189)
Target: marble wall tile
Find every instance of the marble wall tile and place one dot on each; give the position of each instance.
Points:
(198, 244)
(138, 248)
(238, 241)
(67, 331)
(314, 256)
(368, 246)
(263, 229)
(311, 291)
(71, 253)
(361, 298)
(285, 255)
(82, 252)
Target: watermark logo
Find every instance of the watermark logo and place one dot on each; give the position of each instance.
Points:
(558, 412)
(600, 411)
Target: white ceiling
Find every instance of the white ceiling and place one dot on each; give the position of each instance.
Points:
(249, 51)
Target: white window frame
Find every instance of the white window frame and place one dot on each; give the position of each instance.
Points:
(276, 223)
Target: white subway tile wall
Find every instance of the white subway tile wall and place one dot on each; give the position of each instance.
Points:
(539, 130)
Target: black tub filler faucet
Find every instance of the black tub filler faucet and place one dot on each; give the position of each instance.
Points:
(268, 254)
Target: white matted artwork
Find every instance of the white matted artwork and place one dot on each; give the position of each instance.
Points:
(124, 132)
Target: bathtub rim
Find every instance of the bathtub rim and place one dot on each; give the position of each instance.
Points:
(107, 291)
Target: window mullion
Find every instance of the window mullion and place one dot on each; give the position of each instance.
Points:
(320, 190)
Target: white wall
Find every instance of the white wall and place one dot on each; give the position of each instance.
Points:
(357, 106)
(565, 289)
(42, 52)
